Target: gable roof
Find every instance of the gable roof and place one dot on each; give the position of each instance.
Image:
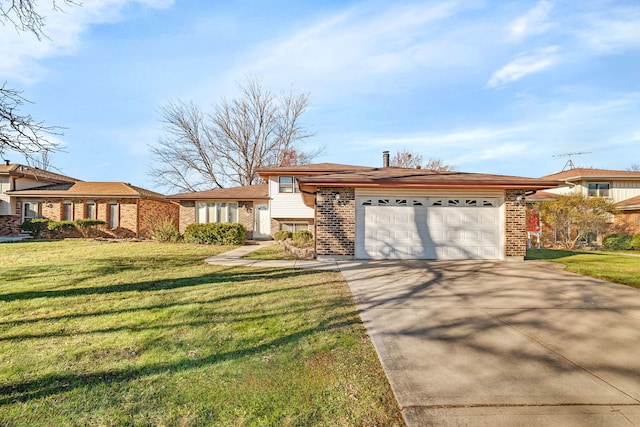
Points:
(588, 173)
(313, 169)
(392, 177)
(247, 192)
(37, 174)
(89, 189)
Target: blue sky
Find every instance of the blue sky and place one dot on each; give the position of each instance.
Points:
(488, 86)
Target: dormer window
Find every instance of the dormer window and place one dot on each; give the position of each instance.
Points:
(598, 189)
(287, 184)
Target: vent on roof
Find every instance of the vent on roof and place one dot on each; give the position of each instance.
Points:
(7, 162)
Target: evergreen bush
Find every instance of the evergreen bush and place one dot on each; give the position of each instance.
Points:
(617, 241)
(35, 227)
(282, 235)
(635, 242)
(302, 238)
(215, 234)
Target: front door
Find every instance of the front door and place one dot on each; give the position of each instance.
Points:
(262, 228)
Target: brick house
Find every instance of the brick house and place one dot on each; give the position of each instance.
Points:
(127, 210)
(621, 187)
(248, 205)
(376, 213)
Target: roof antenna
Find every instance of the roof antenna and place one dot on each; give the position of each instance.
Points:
(569, 165)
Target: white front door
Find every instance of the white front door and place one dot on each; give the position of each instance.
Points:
(262, 227)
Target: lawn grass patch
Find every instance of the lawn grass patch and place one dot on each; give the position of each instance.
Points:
(272, 252)
(99, 333)
(612, 267)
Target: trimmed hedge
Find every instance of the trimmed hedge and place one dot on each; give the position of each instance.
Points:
(61, 225)
(35, 226)
(215, 234)
(618, 241)
(302, 238)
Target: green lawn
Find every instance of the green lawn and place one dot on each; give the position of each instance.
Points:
(97, 333)
(607, 266)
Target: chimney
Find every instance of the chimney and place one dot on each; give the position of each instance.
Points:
(7, 162)
(385, 159)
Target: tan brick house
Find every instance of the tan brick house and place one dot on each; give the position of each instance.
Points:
(127, 210)
(248, 205)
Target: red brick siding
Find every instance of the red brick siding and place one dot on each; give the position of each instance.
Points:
(187, 214)
(10, 224)
(335, 222)
(515, 243)
(246, 217)
(155, 210)
(626, 222)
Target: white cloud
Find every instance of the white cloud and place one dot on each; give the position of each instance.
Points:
(524, 65)
(614, 34)
(534, 22)
(20, 52)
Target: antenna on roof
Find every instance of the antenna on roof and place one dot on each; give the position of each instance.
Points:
(569, 163)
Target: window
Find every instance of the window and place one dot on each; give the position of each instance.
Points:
(207, 212)
(598, 189)
(294, 226)
(30, 210)
(67, 211)
(90, 210)
(114, 216)
(288, 184)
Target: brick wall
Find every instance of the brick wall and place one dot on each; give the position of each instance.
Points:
(153, 211)
(515, 230)
(246, 217)
(187, 214)
(625, 222)
(10, 224)
(335, 222)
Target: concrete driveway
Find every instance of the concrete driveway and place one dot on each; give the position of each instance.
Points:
(499, 343)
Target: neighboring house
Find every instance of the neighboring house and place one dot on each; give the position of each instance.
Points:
(621, 187)
(378, 213)
(248, 205)
(127, 210)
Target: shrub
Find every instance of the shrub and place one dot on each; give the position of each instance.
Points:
(302, 238)
(282, 235)
(164, 230)
(86, 225)
(635, 242)
(35, 226)
(62, 227)
(617, 241)
(215, 234)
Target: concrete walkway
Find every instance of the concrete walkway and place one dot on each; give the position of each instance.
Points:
(234, 258)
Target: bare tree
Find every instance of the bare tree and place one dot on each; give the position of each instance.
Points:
(634, 167)
(407, 159)
(256, 129)
(19, 132)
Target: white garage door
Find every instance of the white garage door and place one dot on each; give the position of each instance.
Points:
(428, 228)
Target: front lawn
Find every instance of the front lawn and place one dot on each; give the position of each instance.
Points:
(607, 266)
(271, 252)
(97, 333)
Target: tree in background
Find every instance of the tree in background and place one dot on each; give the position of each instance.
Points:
(634, 167)
(407, 159)
(254, 130)
(575, 217)
(19, 132)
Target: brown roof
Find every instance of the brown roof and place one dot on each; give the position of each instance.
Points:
(24, 171)
(247, 192)
(541, 196)
(313, 169)
(629, 204)
(580, 173)
(89, 189)
(393, 177)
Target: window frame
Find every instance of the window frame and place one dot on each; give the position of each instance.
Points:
(598, 189)
(94, 208)
(293, 185)
(293, 225)
(110, 220)
(67, 204)
(38, 209)
(219, 208)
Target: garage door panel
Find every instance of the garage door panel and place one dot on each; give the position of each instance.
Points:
(429, 232)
